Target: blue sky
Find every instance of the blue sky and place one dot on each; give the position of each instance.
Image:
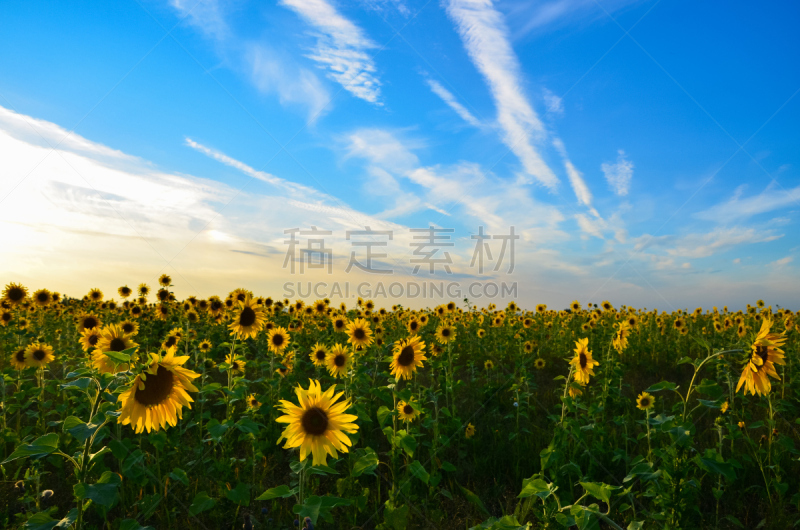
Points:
(644, 151)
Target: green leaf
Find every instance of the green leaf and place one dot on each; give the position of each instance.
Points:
(663, 385)
(684, 360)
(103, 492)
(44, 445)
(636, 525)
(720, 468)
(710, 388)
(447, 466)
(474, 499)
(365, 464)
(118, 357)
(248, 426)
(133, 524)
(538, 487)
(419, 471)
(395, 518)
(282, 491)
(216, 429)
(78, 428)
(599, 490)
(315, 507)
(406, 442)
(383, 413)
(40, 521)
(80, 384)
(240, 494)
(179, 475)
(201, 503)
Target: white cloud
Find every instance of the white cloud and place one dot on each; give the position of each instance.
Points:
(619, 175)
(702, 245)
(579, 186)
(782, 262)
(737, 261)
(453, 103)
(341, 48)
(737, 208)
(485, 38)
(554, 103)
(207, 15)
(293, 84)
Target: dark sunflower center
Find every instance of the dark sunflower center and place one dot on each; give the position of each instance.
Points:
(171, 341)
(15, 294)
(240, 297)
(314, 421)
(126, 291)
(359, 333)
(253, 402)
(406, 356)
(408, 409)
(446, 332)
(157, 388)
(339, 324)
(43, 297)
(7, 317)
(39, 355)
(583, 360)
(117, 344)
(339, 360)
(93, 339)
(95, 296)
(631, 322)
(763, 352)
(320, 354)
(20, 355)
(89, 322)
(248, 317)
(645, 402)
(414, 326)
(277, 340)
(127, 327)
(216, 305)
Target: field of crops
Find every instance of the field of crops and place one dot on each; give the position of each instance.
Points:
(148, 411)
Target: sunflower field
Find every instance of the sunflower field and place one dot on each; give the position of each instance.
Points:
(245, 411)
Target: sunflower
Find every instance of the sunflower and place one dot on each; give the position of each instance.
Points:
(339, 323)
(406, 411)
(95, 295)
(488, 365)
(157, 395)
(606, 305)
(724, 407)
(113, 338)
(136, 311)
(481, 333)
(575, 391)
(645, 401)
(15, 293)
(408, 356)
(318, 354)
(130, 327)
(539, 363)
(89, 321)
(39, 354)
(249, 320)
(469, 431)
(23, 323)
(359, 333)
(679, 324)
(18, 359)
(413, 326)
(89, 338)
(318, 425)
(236, 362)
(173, 338)
(162, 311)
(144, 290)
(42, 298)
(445, 333)
(338, 360)
(205, 346)
(125, 291)
(620, 341)
(5, 317)
(165, 280)
(575, 306)
(766, 352)
(278, 338)
(252, 402)
(105, 364)
(583, 362)
(437, 350)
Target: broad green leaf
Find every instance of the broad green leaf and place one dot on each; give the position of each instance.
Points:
(663, 385)
(599, 490)
(383, 413)
(365, 464)
(201, 503)
(78, 428)
(44, 445)
(180, 475)
(282, 491)
(720, 468)
(132, 524)
(103, 492)
(315, 507)
(81, 383)
(418, 471)
(538, 487)
(474, 499)
(240, 494)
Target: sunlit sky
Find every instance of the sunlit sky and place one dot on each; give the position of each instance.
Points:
(644, 151)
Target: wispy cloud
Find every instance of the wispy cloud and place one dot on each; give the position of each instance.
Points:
(293, 84)
(702, 245)
(619, 174)
(207, 15)
(486, 40)
(738, 208)
(782, 262)
(579, 186)
(452, 102)
(341, 48)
